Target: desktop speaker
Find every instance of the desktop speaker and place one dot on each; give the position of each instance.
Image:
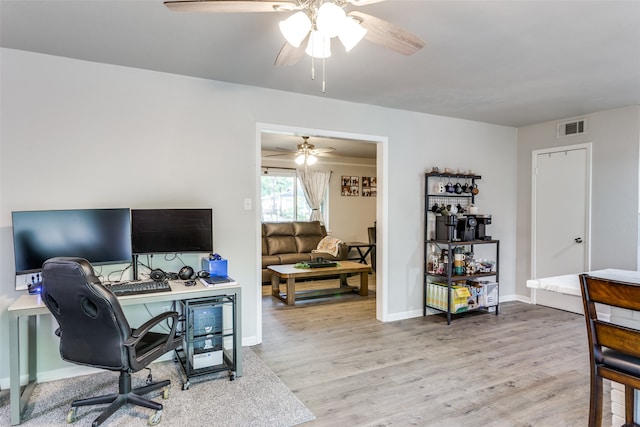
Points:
(185, 273)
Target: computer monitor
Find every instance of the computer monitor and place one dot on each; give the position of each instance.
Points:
(102, 236)
(171, 231)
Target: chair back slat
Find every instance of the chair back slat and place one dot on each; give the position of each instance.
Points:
(613, 293)
(619, 338)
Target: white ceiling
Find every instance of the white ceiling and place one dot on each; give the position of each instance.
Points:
(282, 146)
(505, 62)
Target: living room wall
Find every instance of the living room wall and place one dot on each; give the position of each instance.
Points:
(77, 134)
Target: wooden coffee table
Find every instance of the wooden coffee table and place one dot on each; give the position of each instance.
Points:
(290, 274)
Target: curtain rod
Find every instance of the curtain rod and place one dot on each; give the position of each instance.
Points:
(279, 168)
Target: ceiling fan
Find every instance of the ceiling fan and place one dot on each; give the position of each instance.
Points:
(306, 153)
(313, 24)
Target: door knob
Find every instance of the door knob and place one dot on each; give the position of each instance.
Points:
(578, 239)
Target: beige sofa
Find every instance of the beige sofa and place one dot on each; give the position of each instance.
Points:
(293, 242)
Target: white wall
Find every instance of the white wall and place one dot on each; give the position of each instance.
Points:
(79, 134)
(615, 139)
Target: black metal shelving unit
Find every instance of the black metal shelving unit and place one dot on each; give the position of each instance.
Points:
(447, 279)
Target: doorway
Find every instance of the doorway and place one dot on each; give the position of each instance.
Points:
(379, 143)
(561, 200)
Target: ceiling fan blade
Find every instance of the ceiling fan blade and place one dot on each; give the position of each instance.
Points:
(280, 155)
(290, 55)
(229, 6)
(388, 35)
(322, 150)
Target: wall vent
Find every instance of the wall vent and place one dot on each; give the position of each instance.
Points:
(574, 127)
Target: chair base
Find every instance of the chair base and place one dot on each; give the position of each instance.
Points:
(124, 396)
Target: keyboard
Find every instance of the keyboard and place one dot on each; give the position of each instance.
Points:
(137, 288)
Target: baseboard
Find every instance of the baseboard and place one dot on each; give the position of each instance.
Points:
(402, 315)
(70, 372)
(249, 341)
(54, 374)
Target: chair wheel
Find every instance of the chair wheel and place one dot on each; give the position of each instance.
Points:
(71, 415)
(165, 393)
(155, 419)
(232, 376)
(185, 386)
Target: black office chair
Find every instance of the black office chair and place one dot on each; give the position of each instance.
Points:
(94, 332)
(614, 350)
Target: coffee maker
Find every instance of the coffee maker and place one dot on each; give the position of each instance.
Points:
(446, 227)
(466, 228)
(481, 228)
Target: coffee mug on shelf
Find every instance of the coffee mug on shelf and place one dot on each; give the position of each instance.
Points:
(449, 187)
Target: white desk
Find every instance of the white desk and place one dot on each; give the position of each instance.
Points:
(31, 306)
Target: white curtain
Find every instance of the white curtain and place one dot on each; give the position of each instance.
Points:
(314, 184)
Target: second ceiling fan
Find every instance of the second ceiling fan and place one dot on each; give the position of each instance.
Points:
(306, 153)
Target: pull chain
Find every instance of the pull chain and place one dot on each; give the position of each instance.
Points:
(323, 80)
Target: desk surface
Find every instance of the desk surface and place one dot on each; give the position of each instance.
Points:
(32, 304)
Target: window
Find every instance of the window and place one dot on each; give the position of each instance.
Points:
(282, 197)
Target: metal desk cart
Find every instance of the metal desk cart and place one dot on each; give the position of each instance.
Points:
(209, 337)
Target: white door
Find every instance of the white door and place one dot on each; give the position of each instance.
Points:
(560, 214)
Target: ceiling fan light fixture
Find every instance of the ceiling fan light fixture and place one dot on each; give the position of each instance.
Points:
(319, 46)
(311, 159)
(295, 28)
(331, 19)
(300, 159)
(351, 33)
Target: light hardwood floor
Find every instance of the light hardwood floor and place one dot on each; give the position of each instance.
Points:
(526, 367)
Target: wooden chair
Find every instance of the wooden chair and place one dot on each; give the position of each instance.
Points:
(371, 232)
(614, 350)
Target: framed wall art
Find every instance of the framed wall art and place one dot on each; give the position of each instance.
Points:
(369, 186)
(350, 185)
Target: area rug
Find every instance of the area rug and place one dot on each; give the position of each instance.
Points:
(258, 398)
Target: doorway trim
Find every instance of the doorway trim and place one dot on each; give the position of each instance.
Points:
(382, 306)
(587, 208)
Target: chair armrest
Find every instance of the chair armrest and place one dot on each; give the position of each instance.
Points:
(139, 332)
(145, 346)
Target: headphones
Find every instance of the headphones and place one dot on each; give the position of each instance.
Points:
(157, 275)
(185, 273)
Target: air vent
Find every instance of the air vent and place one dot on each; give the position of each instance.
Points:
(575, 127)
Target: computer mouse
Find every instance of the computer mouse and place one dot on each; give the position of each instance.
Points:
(190, 283)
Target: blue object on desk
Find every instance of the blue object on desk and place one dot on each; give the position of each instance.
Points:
(215, 267)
